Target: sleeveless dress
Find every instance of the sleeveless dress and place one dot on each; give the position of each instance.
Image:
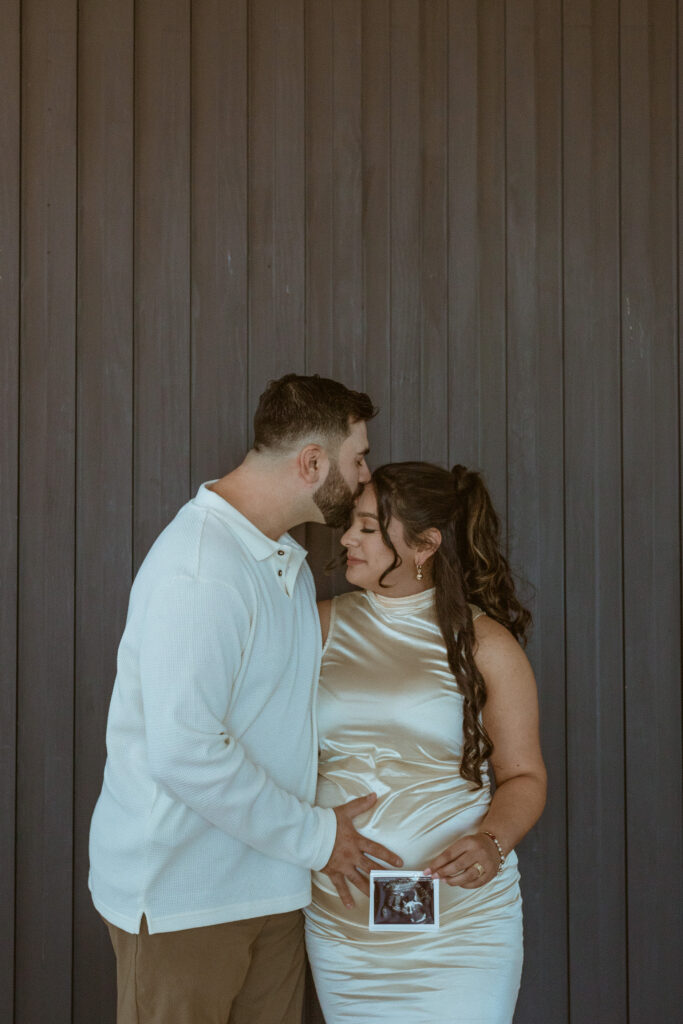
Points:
(390, 721)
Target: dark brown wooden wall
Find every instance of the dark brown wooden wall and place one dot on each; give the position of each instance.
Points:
(470, 208)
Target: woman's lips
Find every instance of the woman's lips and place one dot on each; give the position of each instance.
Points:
(353, 561)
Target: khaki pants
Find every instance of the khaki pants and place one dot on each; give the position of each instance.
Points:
(243, 972)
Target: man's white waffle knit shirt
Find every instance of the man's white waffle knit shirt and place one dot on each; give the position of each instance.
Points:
(205, 812)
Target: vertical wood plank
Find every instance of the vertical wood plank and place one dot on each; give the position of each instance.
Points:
(535, 451)
(334, 316)
(10, 119)
(463, 236)
(162, 267)
(376, 155)
(651, 538)
(104, 445)
(596, 885)
(477, 198)
(47, 484)
(492, 248)
(348, 348)
(679, 297)
(334, 282)
(320, 176)
(434, 231)
(219, 237)
(321, 268)
(406, 190)
(276, 193)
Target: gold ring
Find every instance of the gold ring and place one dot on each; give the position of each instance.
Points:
(480, 870)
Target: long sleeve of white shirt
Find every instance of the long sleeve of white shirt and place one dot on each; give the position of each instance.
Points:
(195, 635)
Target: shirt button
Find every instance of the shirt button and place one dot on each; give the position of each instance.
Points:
(279, 572)
(280, 552)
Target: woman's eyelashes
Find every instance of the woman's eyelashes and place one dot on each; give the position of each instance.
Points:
(364, 529)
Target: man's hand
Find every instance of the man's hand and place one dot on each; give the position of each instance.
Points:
(349, 857)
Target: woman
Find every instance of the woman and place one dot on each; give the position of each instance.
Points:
(423, 683)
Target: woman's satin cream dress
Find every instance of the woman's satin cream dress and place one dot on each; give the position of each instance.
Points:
(390, 721)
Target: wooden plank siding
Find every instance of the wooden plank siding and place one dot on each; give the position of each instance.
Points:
(104, 437)
(47, 426)
(468, 208)
(593, 502)
(10, 277)
(651, 495)
(219, 233)
(433, 251)
(477, 163)
(405, 183)
(376, 246)
(535, 439)
(334, 336)
(276, 193)
(161, 261)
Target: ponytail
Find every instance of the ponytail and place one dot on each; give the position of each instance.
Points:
(487, 577)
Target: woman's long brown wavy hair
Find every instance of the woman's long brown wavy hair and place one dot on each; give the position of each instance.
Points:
(468, 567)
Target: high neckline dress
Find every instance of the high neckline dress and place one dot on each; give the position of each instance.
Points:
(390, 721)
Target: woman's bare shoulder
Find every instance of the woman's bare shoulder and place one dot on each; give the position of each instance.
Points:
(495, 645)
(502, 662)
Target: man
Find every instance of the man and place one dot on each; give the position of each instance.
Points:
(204, 835)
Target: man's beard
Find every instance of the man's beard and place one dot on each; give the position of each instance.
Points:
(335, 499)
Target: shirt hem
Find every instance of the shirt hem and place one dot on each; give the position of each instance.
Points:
(204, 918)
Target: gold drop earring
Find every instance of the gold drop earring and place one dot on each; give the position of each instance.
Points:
(419, 572)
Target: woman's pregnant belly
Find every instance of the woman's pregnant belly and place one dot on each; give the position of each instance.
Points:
(420, 810)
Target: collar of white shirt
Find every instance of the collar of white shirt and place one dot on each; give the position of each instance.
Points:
(285, 551)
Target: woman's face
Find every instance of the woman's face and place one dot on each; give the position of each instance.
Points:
(368, 556)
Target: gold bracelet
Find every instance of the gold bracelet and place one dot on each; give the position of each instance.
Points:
(498, 847)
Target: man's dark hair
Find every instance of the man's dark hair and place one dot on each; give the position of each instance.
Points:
(295, 407)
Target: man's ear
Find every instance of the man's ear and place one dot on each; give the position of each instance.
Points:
(429, 543)
(311, 461)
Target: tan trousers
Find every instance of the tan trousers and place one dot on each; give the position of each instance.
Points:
(243, 972)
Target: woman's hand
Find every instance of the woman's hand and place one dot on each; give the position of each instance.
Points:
(469, 862)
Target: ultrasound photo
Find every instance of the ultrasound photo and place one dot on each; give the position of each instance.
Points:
(403, 901)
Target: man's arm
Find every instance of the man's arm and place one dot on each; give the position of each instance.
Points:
(190, 656)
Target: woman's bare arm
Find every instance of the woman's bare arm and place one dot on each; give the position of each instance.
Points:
(510, 717)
